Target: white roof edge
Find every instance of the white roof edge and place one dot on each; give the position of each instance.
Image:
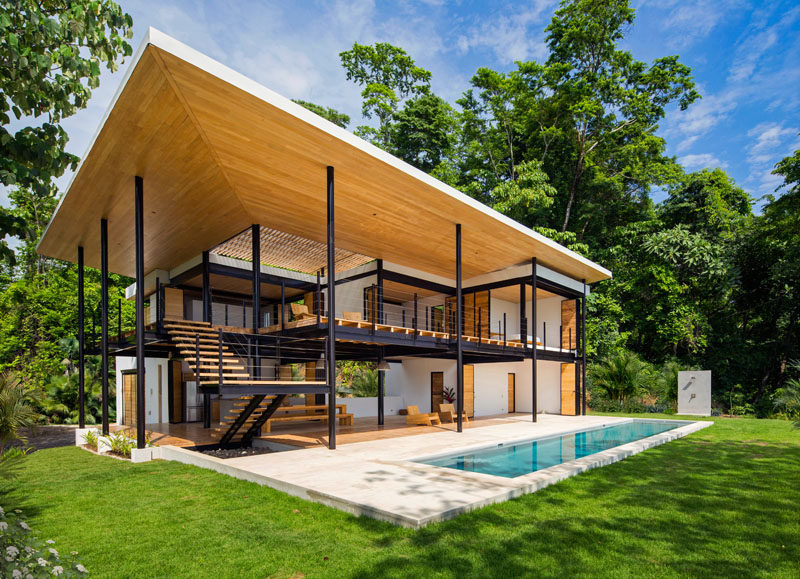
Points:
(227, 74)
(179, 49)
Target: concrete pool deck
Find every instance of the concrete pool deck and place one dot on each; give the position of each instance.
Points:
(379, 479)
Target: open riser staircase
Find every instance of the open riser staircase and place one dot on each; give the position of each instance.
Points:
(249, 412)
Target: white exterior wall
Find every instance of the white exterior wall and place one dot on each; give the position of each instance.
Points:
(498, 308)
(152, 368)
(412, 381)
(548, 311)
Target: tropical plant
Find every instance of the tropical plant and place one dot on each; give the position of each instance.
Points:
(90, 438)
(449, 395)
(363, 384)
(620, 376)
(121, 444)
(787, 398)
(16, 411)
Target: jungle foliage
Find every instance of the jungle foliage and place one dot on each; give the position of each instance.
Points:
(569, 147)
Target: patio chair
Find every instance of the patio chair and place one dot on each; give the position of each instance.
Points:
(447, 413)
(352, 316)
(300, 312)
(417, 418)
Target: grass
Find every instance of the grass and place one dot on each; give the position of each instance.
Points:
(721, 502)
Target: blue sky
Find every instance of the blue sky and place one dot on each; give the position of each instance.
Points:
(745, 57)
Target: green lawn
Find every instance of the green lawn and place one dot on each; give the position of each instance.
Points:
(721, 502)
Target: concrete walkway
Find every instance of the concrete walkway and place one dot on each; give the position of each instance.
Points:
(379, 478)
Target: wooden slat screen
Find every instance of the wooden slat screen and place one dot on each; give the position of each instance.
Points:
(568, 389)
(569, 323)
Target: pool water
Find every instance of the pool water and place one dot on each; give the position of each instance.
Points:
(521, 458)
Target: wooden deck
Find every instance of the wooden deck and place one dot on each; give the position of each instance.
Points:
(308, 434)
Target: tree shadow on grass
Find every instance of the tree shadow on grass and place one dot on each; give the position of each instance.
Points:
(724, 508)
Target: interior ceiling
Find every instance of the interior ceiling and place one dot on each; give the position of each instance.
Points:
(215, 159)
(241, 286)
(281, 249)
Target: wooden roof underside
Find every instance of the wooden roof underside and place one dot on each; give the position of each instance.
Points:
(217, 153)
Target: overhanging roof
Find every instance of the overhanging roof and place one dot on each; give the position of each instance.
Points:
(219, 152)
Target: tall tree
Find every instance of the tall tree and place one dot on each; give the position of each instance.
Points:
(50, 58)
(607, 104)
(423, 132)
(328, 113)
(389, 75)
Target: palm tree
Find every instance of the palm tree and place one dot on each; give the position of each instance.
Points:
(16, 411)
(620, 375)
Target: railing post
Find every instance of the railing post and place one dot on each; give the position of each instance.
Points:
(505, 331)
(479, 325)
(319, 300)
(374, 306)
(544, 336)
(119, 322)
(570, 339)
(283, 305)
(414, 322)
(219, 368)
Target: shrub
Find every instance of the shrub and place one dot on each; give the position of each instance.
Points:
(629, 405)
(121, 444)
(91, 439)
(787, 399)
(622, 375)
(22, 554)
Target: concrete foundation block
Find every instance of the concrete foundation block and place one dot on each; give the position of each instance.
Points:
(142, 454)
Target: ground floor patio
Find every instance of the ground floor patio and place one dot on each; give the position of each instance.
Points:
(376, 475)
(307, 434)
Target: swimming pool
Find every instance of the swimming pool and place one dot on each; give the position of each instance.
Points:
(519, 458)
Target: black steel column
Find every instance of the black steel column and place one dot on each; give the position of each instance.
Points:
(577, 359)
(459, 332)
(256, 234)
(331, 317)
(104, 319)
(583, 350)
(81, 353)
(534, 358)
(381, 393)
(523, 322)
(207, 290)
(140, 389)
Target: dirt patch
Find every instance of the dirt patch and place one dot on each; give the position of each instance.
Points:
(236, 452)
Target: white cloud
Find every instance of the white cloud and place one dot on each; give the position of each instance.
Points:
(771, 142)
(690, 21)
(511, 35)
(701, 161)
(759, 43)
(700, 118)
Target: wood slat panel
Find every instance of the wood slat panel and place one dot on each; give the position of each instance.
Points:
(568, 389)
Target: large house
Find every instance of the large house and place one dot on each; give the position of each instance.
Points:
(267, 243)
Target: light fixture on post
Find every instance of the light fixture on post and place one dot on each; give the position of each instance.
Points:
(383, 366)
